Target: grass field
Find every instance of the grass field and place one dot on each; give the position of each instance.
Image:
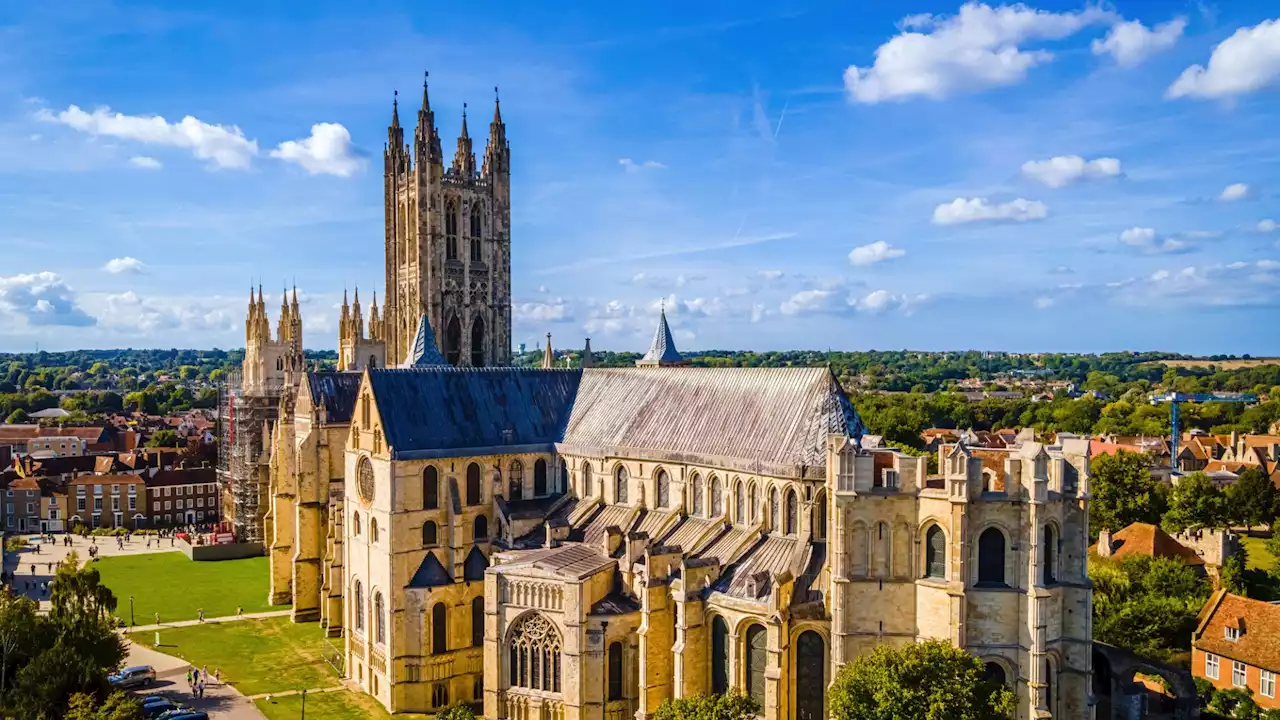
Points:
(256, 656)
(170, 584)
(1259, 558)
(337, 705)
(1220, 364)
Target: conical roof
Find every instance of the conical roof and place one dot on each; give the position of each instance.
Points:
(662, 351)
(423, 352)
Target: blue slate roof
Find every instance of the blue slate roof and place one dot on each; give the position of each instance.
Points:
(440, 412)
(662, 351)
(423, 352)
(430, 574)
(336, 391)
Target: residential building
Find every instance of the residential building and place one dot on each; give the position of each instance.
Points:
(1236, 645)
(107, 501)
(22, 505)
(1144, 539)
(182, 497)
(56, 446)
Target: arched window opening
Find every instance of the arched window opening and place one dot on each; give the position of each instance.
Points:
(719, 656)
(379, 628)
(792, 512)
(774, 511)
(477, 622)
(428, 534)
(475, 221)
(563, 485)
(739, 503)
(991, 557)
(473, 484)
(533, 647)
(615, 671)
(515, 481)
(476, 251)
(453, 342)
(451, 230)
(995, 674)
(481, 528)
(989, 481)
(1048, 686)
(586, 488)
(539, 477)
(439, 629)
(373, 361)
(622, 480)
(357, 610)
(477, 333)
(756, 660)
(1050, 556)
(430, 488)
(355, 523)
(697, 495)
(753, 504)
(439, 695)
(819, 529)
(812, 662)
(935, 554)
(373, 530)
(279, 363)
(664, 489)
(717, 498)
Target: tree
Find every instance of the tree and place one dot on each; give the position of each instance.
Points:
(1232, 572)
(932, 680)
(118, 706)
(457, 711)
(1124, 492)
(728, 706)
(17, 417)
(163, 438)
(1196, 503)
(1251, 499)
(1146, 604)
(1273, 546)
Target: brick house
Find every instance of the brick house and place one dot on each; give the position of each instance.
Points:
(1235, 646)
(22, 505)
(107, 501)
(181, 497)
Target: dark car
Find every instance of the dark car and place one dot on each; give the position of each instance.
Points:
(194, 715)
(137, 676)
(155, 707)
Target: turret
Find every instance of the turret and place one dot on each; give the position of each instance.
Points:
(548, 355)
(497, 154)
(662, 351)
(426, 141)
(464, 159)
(587, 360)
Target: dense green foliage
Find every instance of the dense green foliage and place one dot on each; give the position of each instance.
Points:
(1146, 604)
(1124, 492)
(1252, 499)
(46, 659)
(1195, 503)
(457, 711)
(117, 706)
(728, 706)
(932, 680)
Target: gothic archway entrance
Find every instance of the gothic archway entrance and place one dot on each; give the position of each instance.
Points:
(811, 677)
(453, 341)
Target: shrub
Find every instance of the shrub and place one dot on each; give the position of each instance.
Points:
(15, 544)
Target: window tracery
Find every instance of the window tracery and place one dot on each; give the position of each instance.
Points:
(534, 654)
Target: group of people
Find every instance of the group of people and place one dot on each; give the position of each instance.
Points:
(198, 677)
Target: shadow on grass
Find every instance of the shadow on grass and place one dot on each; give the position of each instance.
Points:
(1262, 585)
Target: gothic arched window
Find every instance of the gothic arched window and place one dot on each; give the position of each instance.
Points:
(534, 645)
(1050, 559)
(373, 529)
(477, 621)
(475, 220)
(664, 489)
(453, 342)
(819, 529)
(481, 528)
(355, 523)
(791, 512)
(539, 477)
(379, 624)
(753, 504)
(428, 534)
(991, 557)
(935, 554)
(615, 671)
(358, 610)
(717, 498)
(430, 488)
(622, 479)
(697, 494)
(757, 660)
(774, 525)
(473, 484)
(515, 481)
(739, 503)
(719, 656)
(563, 485)
(586, 480)
(477, 342)
(439, 629)
(451, 230)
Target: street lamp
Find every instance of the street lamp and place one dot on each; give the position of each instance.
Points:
(131, 611)
(304, 704)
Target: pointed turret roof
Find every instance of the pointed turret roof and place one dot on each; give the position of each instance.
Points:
(548, 355)
(424, 353)
(587, 360)
(662, 351)
(395, 109)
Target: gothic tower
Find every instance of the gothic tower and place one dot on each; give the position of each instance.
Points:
(272, 363)
(448, 241)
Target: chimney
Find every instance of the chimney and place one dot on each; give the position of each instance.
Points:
(612, 539)
(1104, 543)
(637, 544)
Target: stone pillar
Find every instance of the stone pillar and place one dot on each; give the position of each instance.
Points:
(279, 520)
(657, 636)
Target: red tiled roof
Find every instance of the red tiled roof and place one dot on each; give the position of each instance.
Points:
(1257, 621)
(1148, 539)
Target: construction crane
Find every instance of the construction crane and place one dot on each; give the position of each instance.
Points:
(1173, 398)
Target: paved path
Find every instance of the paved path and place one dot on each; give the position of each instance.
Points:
(222, 702)
(287, 693)
(207, 621)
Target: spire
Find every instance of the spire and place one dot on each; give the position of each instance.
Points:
(261, 305)
(662, 351)
(426, 139)
(395, 109)
(497, 107)
(464, 134)
(548, 355)
(423, 352)
(294, 302)
(395, 134)
(587, 360)
(426, 102)
(497, 156)
(464, 160)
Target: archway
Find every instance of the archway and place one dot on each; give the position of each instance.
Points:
(719, 656)
(811, 678)
(453, 341)
(477, 343)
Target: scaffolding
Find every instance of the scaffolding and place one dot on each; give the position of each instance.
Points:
(245, 421)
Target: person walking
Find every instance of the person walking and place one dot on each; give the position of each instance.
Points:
(33, 568)
(217, 676)
(190, 684)
(158, 619)
(200, 615)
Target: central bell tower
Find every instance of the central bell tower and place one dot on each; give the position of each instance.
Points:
(448, 241)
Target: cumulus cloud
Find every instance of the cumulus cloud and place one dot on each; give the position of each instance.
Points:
(1129, 43)
(223, 146)
(1066, 169)
(125, 265)
(1044, 302)
(663, 282)
(632, 166)
(145, 163)
(549, 311)
(936, 56)
(1246, 62)
(815, 301)
(1226, 285)
(42, 299)
(134, 314)
(877, 251)
(1146, 239)
(1267, 225)
(1138, 236)
(965, 210)
(1235, 191)
(328, 151)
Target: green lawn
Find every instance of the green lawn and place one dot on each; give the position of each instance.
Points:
(175, 587)
(337, 705)
(257, 656)
(1259, 558)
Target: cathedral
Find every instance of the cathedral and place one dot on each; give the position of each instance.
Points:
(585, 543)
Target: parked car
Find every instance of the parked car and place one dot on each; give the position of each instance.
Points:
(137, 676)
(191, 715)
(154, 708)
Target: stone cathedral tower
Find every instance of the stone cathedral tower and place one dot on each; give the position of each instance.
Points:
(448, 242)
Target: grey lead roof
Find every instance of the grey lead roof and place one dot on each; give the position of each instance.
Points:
(336, 392)
(423, 352)
(430, 574)
(662, 351)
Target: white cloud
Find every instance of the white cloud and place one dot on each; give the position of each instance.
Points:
(1236, 191)
(327, 151)
(964, 210)
(1138, 236)
(815, 301)
(1233, 284)
(877, 301)
(145, 163)
(553, 310)
(1131, 42)
(1044, 302)
(1145, 238)
(222, 146)
(1062, 270)
(759, 312)
(134, 314)
(877, 251)
(1066, 169)
(936, 56)
(1267, 225)
(632, 166)
(1247, 61)
(42, 299)
(125, 265)
(661, 282)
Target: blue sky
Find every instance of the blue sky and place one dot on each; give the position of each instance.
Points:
(787, 175)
